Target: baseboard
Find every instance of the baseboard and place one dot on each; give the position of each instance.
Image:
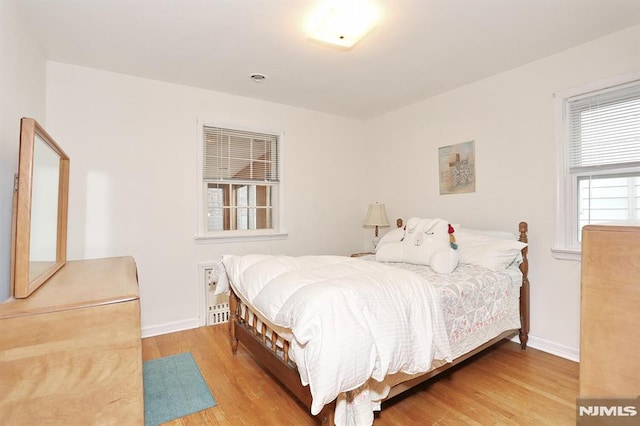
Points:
(552, 348)
(170, 327)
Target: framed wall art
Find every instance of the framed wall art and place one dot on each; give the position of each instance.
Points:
(457, 168)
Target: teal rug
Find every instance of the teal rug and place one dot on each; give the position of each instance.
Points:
(173, 388)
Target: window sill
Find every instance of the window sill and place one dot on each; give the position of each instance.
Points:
(239, 238)
(566, 254)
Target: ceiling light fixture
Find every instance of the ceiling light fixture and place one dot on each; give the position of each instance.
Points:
(343, 22)
(258, 77)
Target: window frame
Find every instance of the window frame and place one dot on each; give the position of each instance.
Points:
(566, 246)
(277, 232)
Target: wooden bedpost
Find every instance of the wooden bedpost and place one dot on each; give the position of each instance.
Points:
(233, 319)
(524, 290)
(326, 417)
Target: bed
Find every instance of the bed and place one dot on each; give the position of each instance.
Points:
(340, 332)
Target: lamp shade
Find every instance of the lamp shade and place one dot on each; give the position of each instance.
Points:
(376, 216)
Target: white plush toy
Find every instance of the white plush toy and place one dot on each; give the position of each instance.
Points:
(425, 242)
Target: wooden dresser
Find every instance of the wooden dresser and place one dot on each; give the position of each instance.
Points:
(610, 312)
(70, 353)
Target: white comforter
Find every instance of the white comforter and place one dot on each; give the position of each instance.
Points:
(351, 320)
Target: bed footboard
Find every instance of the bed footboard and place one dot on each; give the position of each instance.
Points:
(271, 352)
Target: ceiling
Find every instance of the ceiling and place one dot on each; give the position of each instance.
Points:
(418, 49)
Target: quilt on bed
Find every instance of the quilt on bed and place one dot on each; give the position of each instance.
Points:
(351, 320)
(477, 303)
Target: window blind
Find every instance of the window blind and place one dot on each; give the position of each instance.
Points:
(604, 129)
(238, 155)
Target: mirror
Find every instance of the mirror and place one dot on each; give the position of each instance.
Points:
(39, 231)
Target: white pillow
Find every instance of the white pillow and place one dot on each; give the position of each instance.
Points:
(426, 242)
(417, 229)
(395, 235)
(492, 253)
(412, 228)
(413, 222)
(390, 252)
(440, 257)
(501, 235)
(444, 261)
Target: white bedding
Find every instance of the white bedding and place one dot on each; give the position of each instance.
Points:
(477, 303)
(374, 306)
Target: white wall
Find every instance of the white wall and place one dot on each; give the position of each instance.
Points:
(133, 187)
(22, 91)
(132, 144)
(511, 118)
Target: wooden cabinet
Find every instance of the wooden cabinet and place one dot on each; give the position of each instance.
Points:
(610, 312)
(70, 353)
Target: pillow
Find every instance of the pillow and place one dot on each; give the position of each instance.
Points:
(398, 234)
(395, 235)
(425, 242)
(433, 252)
(502, 235)
(417, 228)
(444, 261)
(408, 232)
(492, 253)
(390, 252)
(413, 222)
(418, 250)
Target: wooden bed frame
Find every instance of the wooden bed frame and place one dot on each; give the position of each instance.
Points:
(271, 351)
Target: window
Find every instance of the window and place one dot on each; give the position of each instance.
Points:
(600, 161)
(240, 194)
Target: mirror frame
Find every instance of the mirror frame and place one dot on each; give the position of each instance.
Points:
(21, 226)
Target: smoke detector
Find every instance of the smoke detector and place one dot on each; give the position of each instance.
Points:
(258, 77)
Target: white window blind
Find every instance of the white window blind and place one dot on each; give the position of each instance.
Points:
(240, 155)
(598, 137)
(240, 181)
(604, 129)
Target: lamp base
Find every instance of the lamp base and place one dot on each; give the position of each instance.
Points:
(375, 241)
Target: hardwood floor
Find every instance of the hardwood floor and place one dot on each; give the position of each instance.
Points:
(501, 386)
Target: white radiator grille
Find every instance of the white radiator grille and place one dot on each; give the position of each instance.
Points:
(217, 305)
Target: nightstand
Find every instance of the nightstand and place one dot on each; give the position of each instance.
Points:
(362, 254)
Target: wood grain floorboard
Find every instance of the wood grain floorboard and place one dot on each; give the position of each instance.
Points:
(501, 386)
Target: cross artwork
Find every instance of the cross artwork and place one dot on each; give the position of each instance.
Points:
(462, 171)
(457, 168)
